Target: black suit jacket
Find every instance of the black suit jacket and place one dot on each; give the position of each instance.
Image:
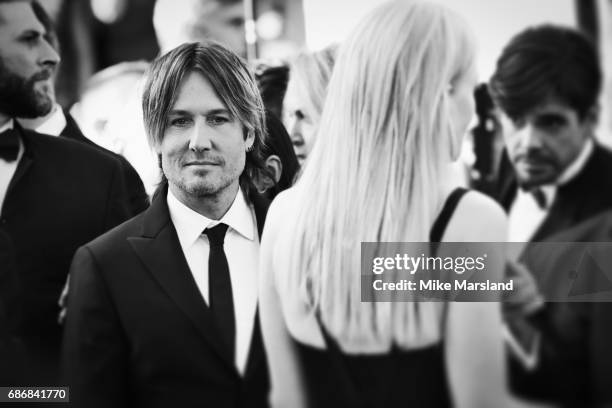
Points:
(62, 195)
(573, 334)
(139, 200)
(138, 332)
(575, 359)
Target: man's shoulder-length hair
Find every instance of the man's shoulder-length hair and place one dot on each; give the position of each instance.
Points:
(233, 83)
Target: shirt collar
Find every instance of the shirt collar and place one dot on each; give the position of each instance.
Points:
(190, 224)
(7, 126)
(573, 169)
(55, 123)
(550, 190)
(240, 217)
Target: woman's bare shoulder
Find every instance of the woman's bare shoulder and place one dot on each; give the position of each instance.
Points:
(477, 218)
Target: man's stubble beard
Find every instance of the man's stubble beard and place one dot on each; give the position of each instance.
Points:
(202, 188)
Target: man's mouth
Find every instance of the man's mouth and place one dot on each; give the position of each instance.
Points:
(202, 163)
(42, 76)
(536, 166)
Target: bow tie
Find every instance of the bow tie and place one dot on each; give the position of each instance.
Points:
(9, 145)
(538, 195)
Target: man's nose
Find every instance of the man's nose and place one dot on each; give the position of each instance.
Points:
(49, 57)
(530, 137)
(200, 138)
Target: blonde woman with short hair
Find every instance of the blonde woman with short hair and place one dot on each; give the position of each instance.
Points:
(398, 104)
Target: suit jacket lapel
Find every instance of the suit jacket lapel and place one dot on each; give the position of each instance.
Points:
(160, 251)
(26, 159)
(558, 218)
(72, 130)
(256, 352)
(260, 205)
(568, 206)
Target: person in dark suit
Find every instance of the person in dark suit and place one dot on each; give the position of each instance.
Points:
(162, 311)
(573, 270)
(55, 195)
(139, 200)
(553, 176)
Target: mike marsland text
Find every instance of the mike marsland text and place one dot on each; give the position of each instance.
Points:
(438, 285)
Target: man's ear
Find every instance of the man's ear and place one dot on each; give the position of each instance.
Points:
(592, 115)
(273, 163)
(249, 140)
(275, 167)
(589, 121)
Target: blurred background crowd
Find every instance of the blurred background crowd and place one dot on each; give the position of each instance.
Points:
(106, 46)
(535, 143)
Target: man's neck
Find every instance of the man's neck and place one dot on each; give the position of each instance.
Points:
(212, 206)
(34, 123)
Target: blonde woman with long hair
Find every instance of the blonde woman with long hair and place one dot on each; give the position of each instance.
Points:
(399, 101)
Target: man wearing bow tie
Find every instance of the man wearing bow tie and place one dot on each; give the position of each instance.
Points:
(162, 311)
(554, 176)
(55, 195)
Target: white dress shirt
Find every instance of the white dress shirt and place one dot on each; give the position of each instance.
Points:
(7, 169)
(241, 248)
(526, 215)
(54, 124)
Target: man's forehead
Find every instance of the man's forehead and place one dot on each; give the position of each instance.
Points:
(18, 16)
(191, 91)
(553, 106)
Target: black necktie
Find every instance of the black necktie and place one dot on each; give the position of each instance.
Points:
(9, 145)
(220, 296)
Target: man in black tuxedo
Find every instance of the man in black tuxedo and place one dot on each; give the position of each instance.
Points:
(55, 195)
(553, 176)
(162, 311)
(59, 122)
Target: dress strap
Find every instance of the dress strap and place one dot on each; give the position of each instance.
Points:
(349, 389)
(440, 224)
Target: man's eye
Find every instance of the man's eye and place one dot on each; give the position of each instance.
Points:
(180, 122)
(551, 123)
(299, 115)
(30, 39)
(217, 120)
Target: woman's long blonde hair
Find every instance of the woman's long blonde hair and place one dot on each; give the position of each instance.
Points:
(374, 175)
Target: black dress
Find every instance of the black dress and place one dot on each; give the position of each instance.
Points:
(400, 378)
